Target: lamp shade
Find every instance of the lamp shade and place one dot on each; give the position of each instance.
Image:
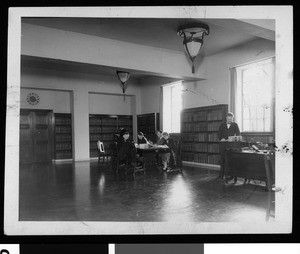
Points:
(193, 39)
(192, 46)
(123, 76)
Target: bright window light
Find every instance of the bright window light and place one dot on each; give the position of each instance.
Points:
(255, 96)
(172, 105)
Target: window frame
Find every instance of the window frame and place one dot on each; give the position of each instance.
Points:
(239, 96)
(170, 86)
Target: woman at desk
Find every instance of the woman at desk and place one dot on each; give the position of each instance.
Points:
(226, 129)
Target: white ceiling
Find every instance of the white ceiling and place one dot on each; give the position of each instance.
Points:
(160, 32)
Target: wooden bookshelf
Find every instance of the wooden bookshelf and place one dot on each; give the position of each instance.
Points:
(104, 128)
(148, 124)
(199, 133)
(63, 136)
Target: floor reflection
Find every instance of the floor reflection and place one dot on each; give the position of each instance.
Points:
(85, 191)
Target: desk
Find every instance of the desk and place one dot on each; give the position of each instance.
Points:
(249, 165)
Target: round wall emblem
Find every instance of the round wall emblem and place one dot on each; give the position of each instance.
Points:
(33, 98)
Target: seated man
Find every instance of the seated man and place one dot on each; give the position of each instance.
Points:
(166, 142)
(141, 140)
(126, 150)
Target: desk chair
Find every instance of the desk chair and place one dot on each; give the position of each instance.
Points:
(102, 156)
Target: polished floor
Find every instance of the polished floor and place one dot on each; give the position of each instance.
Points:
(84, 191)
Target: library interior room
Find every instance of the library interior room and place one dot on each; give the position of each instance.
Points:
(143, 119)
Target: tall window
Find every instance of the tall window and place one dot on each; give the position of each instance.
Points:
(254, 96)
(172, 105)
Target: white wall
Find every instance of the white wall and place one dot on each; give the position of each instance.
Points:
(58, 101)
(216, 86)
(110, 104)
(79, 85)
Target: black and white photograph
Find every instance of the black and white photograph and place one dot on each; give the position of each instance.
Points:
(149, 120)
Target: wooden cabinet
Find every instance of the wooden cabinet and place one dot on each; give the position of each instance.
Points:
(104, 128)
(148, 124)
(199, 133)
(63, 136)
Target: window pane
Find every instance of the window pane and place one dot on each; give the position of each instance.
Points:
(252, 125)
(246, 125)
(260, 124)
(267, 126)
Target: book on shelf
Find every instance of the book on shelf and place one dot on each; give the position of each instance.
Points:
(214, 159)
(200, 116)
(200, 157)
(200, 137)
(200, 147)
(214, 126)
(213, 137)
(200, 126)
(213, 148)
(62, 121)
(215, 115)
(63, 129)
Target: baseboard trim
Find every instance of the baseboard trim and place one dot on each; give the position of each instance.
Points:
(201, 165)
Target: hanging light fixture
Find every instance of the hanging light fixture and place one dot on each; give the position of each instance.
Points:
(193, 38)
(123, 77)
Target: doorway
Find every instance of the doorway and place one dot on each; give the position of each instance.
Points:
(35, 136)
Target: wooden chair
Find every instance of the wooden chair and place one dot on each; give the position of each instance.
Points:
(102, 156)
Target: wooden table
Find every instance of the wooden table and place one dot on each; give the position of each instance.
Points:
(250, 165)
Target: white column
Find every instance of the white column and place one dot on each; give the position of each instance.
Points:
(80, 111)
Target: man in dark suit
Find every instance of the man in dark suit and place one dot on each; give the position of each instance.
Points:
(226, 129)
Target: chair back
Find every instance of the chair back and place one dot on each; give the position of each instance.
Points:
(100, 146)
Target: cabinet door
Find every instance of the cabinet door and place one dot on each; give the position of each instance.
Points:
(35, 136)
(41, 136)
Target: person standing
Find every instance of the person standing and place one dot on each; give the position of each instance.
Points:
(226, 129)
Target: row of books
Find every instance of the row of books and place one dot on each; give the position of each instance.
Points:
(199, 116)
(60, 138)
(213, 148)
(200, 126)
(200, 137)
(187, 147)
(187, 127)
(95, 121)
(200, 157)
(109, 121)
(213, 159)
(213, 137)
(96, 129)
(63, 146)
(187, 156)
(187, 117)
(187, 137)
(63, 129)
(215, 115)
(214, 126)
(64, 155)
(62, 121)
(146, 120)
(200, 147)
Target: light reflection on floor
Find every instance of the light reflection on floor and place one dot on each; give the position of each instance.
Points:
(83, 191)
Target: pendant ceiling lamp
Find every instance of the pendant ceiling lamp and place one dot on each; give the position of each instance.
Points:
(123, 77)
(193, 35)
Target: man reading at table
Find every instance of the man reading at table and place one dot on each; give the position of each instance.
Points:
(226, 129)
